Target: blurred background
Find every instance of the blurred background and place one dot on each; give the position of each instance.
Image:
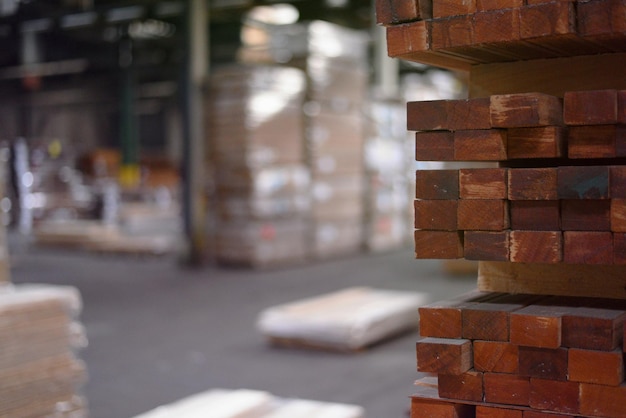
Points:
(262, 142)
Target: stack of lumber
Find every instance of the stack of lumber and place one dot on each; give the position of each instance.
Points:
(388, 206)
(557, 196)
(460, 34)
(503, 355)
(346, 320)
(41, 375)
(245, 403)
(334, 59)
(255, 137)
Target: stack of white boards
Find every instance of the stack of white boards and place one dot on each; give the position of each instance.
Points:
(347, 320)
(40, 375)
(244, 403)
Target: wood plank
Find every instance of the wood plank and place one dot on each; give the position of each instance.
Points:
(602, 401)
(595, 141)
(586, 215)
(496, 357)
(443, 319)
(486, 245)
(437, 184)
(445, 356)
(583, 182)
(444, 8)
(490, 320)
(439, 215)
(538, 325)
(536, 246)
(492, 26)
(590, 107)
(554, 396)
(483, 183)
(547, 20)
(587, 247)
(392, 12)
(507, 389)
(552, 279)
(618, 215)
(428, 115)
(525, 110)
(599, 367)
(617, 182)
(434, 146)
(532, 184)
(543, 363)
(467, 386)
(602, 20)
(553, 76)
(483, 215)
(619, 248)
(482, 5)
(438, 244)
(594, 327)
(470, 114)
(540, 142)
(496, 412)
(451, 32)
(407, 38)
(543, 414)
(535, 215)
(480, 145)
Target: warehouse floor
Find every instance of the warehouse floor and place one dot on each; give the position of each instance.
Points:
(158, 332)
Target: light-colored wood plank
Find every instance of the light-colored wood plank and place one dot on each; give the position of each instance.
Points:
(556, 279)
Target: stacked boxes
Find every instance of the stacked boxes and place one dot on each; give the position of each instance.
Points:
(522, 356)
(388, 207)
(41, 375)
(335, 60)
(262, 183)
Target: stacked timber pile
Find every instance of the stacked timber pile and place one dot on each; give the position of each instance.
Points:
(41, 375)
(545, 220)
(262, 183)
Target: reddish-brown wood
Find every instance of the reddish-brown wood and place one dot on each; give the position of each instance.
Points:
(619, 248)
(536, 246)
(543, 363)
(428, 115)
(437, 184)
(482, 183)
(451, 32)
(594, 327)
(594, 141)
(438, 244)
(470, 114)
(602, 401)
(486, 245)
(548, 19)
(621, 106)
(496, 26)
(602, 19)
(392, 12)
(525, 110)
(532, 184)
(434, 146)
(407, 38)
(617, 180)
(496, 357)
(443, 319)
(599, 367)
(444, 356)
(494, 412)
(489, 320)
(444, 8)
(590, 107)
(498, 4)
(586, 215)
(542, 414)
(535, 215)
(588, 247)
(480, 145)
(483, 215)
(554, 396)
(540, 142)
(507, 389)
(618, 215)
(538, 325)
(467, 386)
(437, 215)
(583, 182)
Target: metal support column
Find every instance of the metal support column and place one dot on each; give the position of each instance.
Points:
(195, 73)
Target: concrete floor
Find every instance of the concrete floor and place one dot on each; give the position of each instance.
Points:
(159, 332)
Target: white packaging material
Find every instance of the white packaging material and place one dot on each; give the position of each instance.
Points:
(301, 408)
(352, 318)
